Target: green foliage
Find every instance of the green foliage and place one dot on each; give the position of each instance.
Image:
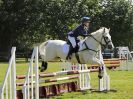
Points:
(26, 22)
(118, 16)
(18, 18)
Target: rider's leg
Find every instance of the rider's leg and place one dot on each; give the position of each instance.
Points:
(72, 40)
(76, 48)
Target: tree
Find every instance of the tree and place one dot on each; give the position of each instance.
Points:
(117, 14)
(17, 18)
(27, 22)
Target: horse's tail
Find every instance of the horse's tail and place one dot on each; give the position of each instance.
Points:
(42, 49)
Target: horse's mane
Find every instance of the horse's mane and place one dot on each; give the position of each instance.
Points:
(98, 31)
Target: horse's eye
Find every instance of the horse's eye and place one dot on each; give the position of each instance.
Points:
(106, 37)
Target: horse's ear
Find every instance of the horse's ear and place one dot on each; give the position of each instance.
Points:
(109, 29)
(103, 30)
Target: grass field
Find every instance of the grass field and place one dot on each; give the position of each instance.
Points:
(122, 81)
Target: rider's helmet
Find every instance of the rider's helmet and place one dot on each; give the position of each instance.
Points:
(85, 19)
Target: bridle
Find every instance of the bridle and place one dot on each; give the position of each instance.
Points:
(100, 42)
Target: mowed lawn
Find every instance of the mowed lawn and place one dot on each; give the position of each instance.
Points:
(122, 81)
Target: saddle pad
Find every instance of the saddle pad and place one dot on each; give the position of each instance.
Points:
(65, 48)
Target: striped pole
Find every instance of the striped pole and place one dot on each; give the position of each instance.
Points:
(68, 72)
(58, 79)
(50, 80)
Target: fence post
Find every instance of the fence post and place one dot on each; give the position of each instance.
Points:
(36, 74)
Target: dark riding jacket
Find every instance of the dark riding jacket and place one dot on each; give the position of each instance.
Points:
(79, 31)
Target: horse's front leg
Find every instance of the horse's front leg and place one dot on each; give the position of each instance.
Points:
(101, 72)
(102, 68)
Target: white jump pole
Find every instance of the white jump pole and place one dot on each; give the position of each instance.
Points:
(11, 75)
(36, 74)
(84, 78)
(14, 75)
(34, 82)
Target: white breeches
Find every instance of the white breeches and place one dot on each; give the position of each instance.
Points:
(72, 40)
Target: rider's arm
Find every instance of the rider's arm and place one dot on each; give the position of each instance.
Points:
(83, 32)
(79, 31)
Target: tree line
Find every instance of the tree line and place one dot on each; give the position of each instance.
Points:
(24, 23)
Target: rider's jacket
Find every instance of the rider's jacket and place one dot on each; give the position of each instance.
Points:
(79, 31)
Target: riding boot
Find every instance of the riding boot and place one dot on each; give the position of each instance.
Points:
(69, 53)
(76, 49)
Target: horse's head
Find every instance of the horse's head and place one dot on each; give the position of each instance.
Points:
(106, 38)
(102, 37)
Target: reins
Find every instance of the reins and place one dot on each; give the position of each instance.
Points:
(100, 42)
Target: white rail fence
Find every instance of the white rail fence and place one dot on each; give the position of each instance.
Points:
(8, 89)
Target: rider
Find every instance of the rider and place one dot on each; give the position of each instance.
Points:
(81, 30)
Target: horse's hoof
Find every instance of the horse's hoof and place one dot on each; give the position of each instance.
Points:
(45, 67)
(41, 69)
(100, 77)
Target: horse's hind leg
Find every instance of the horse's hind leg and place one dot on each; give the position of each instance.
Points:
(43, 66)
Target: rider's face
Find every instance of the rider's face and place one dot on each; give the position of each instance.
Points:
(87, 24)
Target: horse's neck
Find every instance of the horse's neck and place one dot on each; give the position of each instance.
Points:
(92, 43)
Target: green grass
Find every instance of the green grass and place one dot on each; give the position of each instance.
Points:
(122, 81)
